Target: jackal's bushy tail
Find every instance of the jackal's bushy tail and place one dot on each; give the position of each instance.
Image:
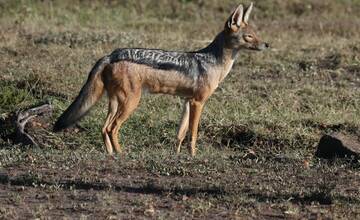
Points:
(89, 94)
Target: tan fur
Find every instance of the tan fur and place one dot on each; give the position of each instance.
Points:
(124, 82)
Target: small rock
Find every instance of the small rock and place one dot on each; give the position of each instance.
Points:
(250, 154)
(338, 145)
(150, 211)
(184, 198)
(306, 164)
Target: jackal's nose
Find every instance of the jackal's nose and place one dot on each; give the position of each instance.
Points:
(267, 45)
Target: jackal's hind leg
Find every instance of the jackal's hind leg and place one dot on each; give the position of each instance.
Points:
(183, 126)
(195, 113)
(127, 108)
(113, 105)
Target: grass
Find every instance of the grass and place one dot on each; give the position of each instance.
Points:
(258, 132)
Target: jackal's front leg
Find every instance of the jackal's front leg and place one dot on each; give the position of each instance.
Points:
(183, 126)
(195, 113)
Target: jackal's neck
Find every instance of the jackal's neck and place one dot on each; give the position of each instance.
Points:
(219, 49)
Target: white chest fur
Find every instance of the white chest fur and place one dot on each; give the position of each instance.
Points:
(226, 69)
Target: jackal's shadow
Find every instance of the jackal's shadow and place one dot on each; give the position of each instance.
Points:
(146, 188)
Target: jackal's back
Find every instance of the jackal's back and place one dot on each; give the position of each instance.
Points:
(191, 64)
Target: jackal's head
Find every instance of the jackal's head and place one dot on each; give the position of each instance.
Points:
(239, 34)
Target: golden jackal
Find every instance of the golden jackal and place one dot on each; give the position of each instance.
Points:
(193, 75)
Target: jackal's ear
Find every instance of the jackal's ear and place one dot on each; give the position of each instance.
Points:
(235, 19)
(247, 13)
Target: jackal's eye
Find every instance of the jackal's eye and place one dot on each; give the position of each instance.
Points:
(248, 37)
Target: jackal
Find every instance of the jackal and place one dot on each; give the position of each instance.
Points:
(192, 75)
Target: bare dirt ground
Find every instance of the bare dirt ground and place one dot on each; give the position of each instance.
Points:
(258, 133)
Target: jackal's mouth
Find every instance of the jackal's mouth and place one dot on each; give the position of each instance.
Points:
(257, 47)
(260, 47)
